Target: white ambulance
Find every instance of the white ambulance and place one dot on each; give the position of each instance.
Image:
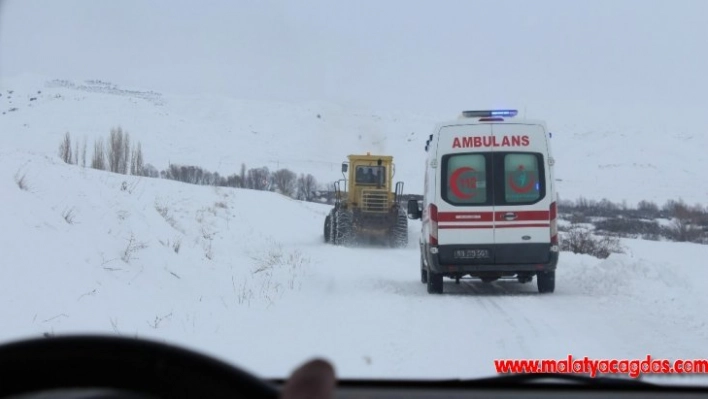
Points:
(489, 206)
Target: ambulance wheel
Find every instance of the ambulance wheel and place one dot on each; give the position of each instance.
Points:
(423, 272)
(546, 282)
(435, 283)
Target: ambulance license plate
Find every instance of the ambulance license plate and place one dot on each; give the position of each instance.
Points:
(471, 253)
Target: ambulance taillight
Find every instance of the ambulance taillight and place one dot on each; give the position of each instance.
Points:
(554, 227)
(433, 215)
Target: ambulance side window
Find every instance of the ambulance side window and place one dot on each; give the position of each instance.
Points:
(523, 178)
(465, 179)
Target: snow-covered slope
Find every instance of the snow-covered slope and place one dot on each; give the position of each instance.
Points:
(599, 156)
(243, 275)
(216, 133)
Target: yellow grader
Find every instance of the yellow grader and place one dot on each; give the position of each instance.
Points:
(366, 209)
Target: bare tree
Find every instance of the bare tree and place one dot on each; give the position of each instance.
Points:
(285, 180)
(115, 148)
(119, 151)
(65, 149)
(76, 153)
(258, 178)
(99, 156)
(83, 153)
(306, 186)
(125, 160)
(310, 187)
(140, 162)
(150, 171)
(136, 163)
(234, 180)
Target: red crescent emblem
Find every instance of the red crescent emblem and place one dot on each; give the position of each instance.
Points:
(454, 177)
(521, 189)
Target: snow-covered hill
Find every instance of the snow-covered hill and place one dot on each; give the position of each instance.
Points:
(216, 133)
(599, 156)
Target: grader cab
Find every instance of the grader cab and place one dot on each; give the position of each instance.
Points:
(367, 207)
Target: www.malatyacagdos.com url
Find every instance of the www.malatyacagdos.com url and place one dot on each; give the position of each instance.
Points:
(585, 365)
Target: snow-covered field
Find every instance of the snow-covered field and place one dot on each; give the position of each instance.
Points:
(244, 275)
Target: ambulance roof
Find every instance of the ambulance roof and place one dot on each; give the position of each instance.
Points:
(477, 121)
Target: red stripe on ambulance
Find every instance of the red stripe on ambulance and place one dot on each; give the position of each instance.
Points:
(521, 216)
(524, 216)
(465, 216)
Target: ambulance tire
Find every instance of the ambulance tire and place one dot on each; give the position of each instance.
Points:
(435, 283)
(546, 282)
(327, 226)
(423, 272)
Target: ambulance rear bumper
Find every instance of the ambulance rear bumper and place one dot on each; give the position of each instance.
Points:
(503, 258)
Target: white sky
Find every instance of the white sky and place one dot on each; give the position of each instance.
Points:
(435, 56)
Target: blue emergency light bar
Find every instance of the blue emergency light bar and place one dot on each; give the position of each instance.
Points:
(490, 113)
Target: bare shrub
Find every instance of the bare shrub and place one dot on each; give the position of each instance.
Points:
(133, 246)
(579, 217)
(164, 211)
(21, 180)
(69, 215)
(244, 294)
(159, 319)
(607, 245)
(581, 240)
(683, 230)
(176, 245)
(626, 227)
(208, 250)
(648, 209)
(685, 226)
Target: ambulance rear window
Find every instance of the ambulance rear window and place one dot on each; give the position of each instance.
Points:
(523, 178)
(465, 181)
(493, 178)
